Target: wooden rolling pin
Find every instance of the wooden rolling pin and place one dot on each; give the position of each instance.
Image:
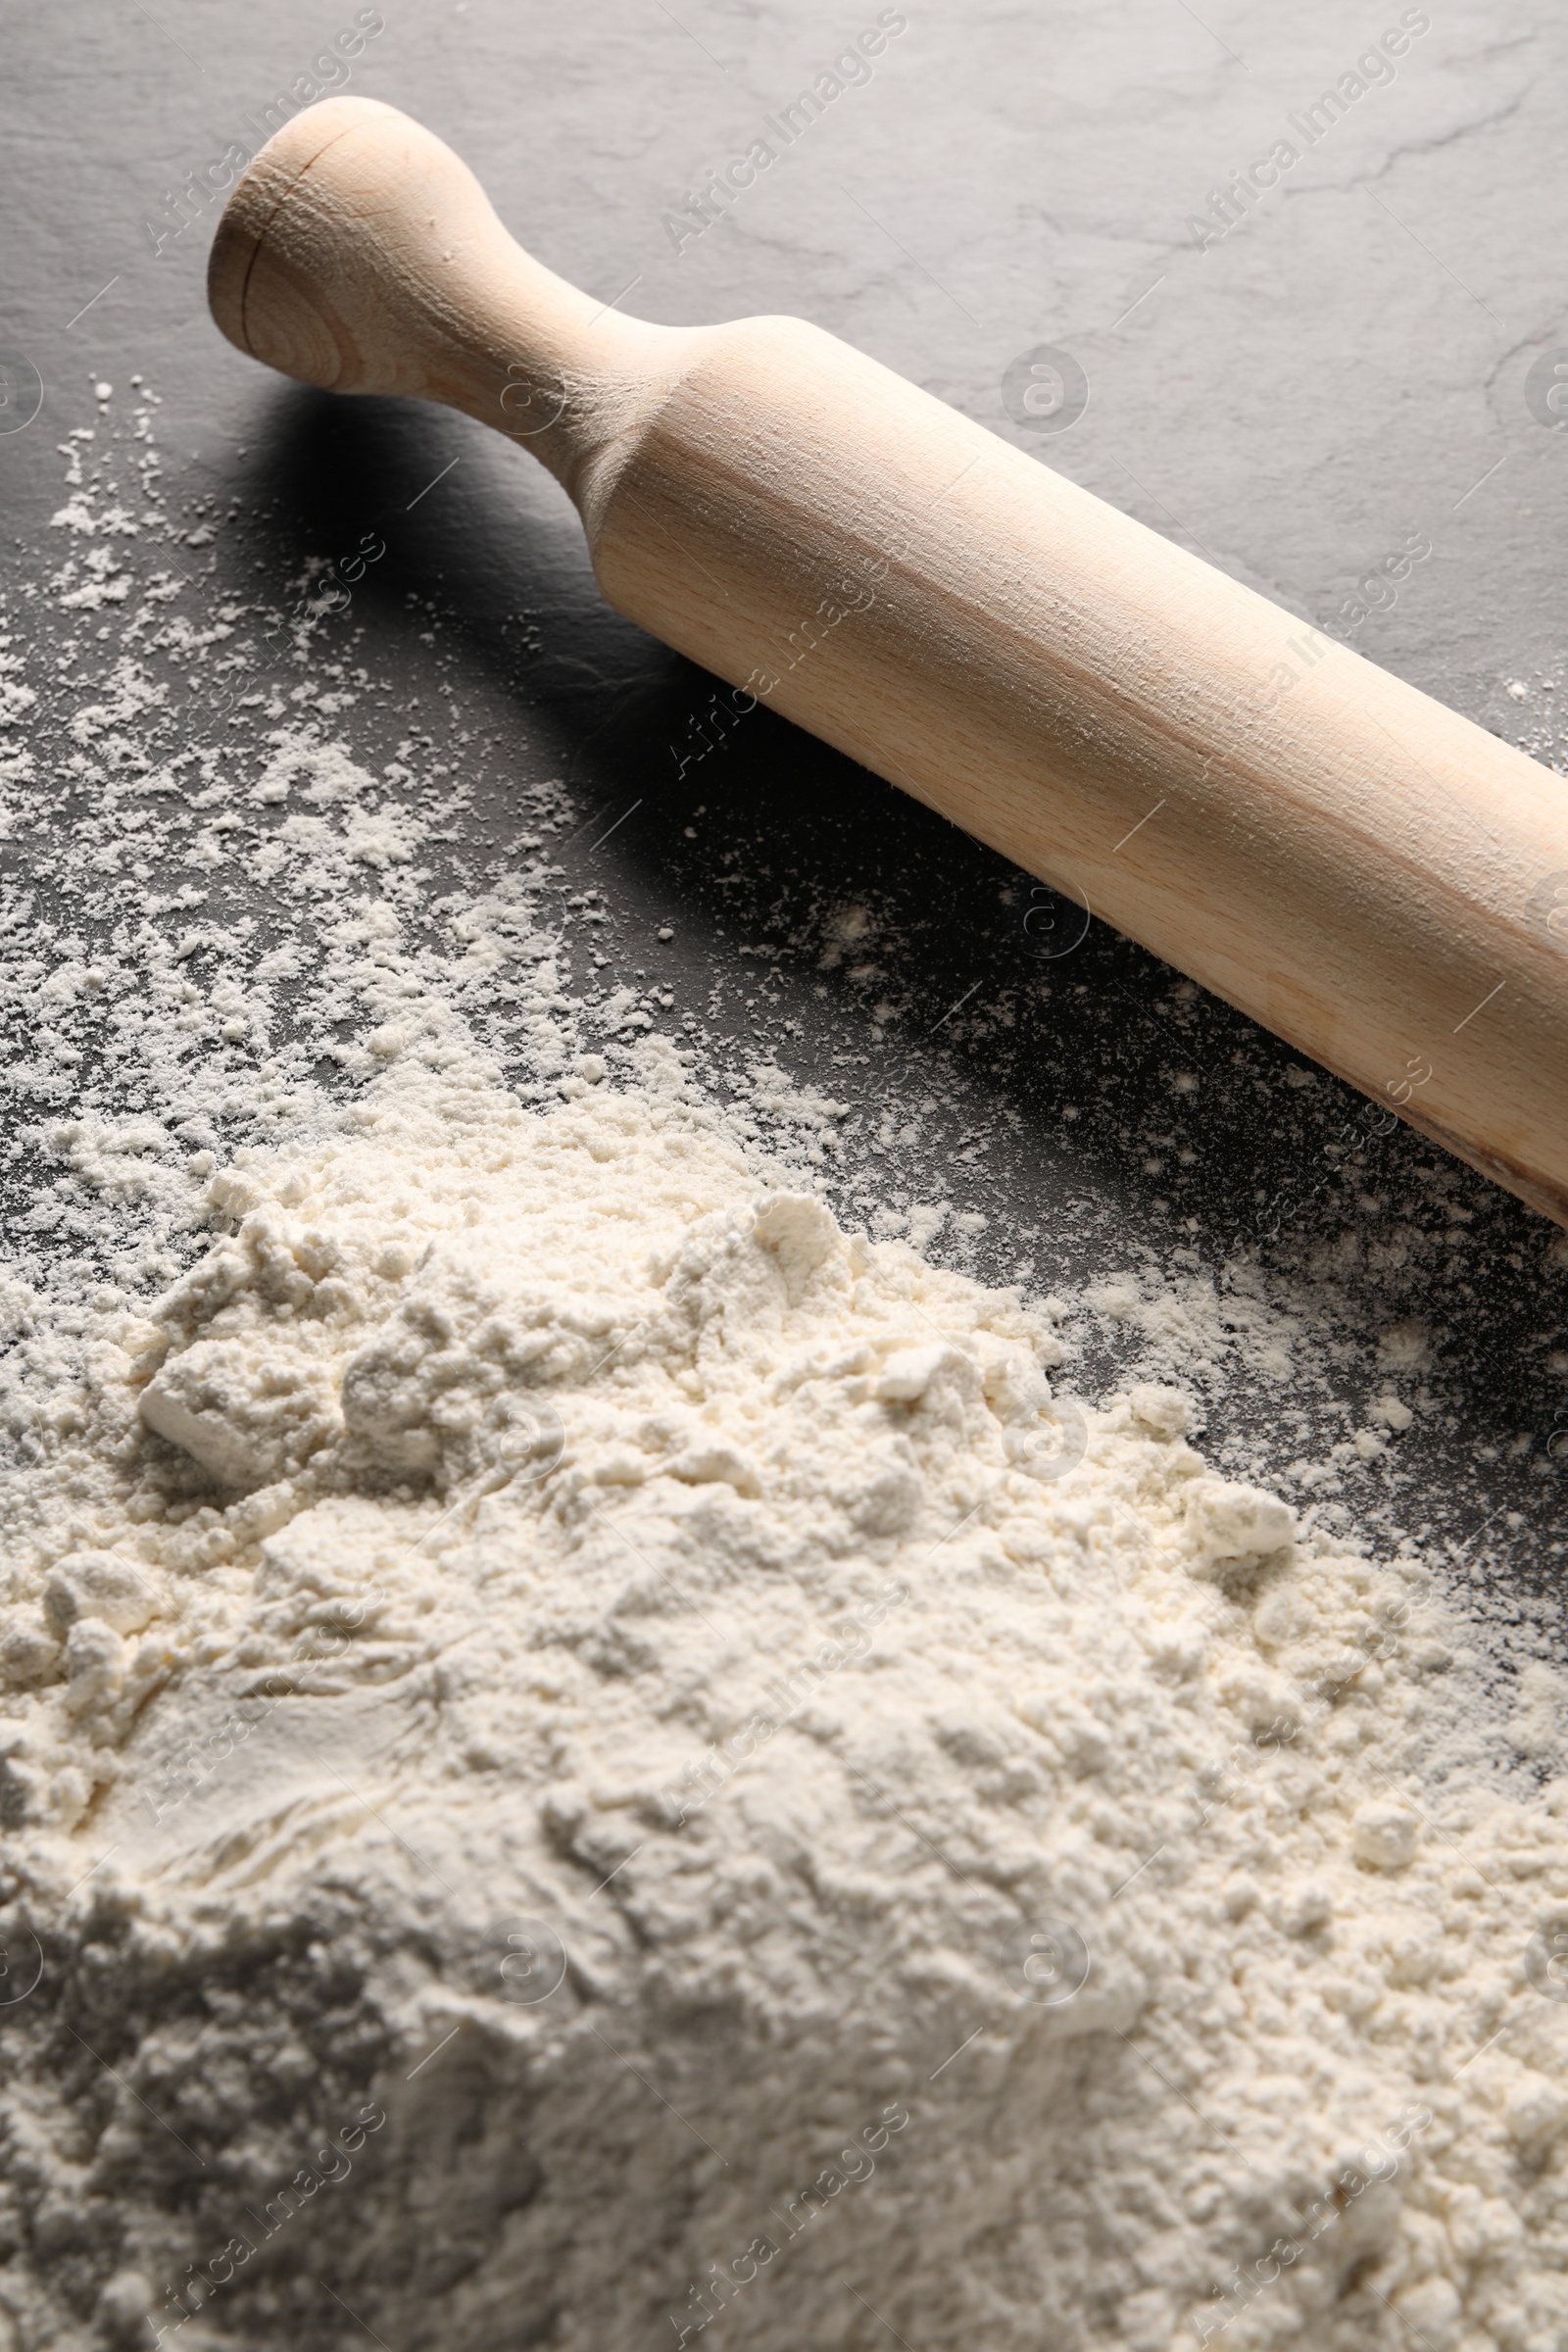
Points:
(1379, 881)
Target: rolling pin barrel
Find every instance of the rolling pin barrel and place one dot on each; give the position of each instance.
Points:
(1375, 878)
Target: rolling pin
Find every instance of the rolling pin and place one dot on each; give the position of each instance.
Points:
(1376, 879)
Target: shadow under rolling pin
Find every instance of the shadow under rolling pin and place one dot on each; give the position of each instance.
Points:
(1378, 880)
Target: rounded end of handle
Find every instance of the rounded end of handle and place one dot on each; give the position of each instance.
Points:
(358, 254)
(262, 289)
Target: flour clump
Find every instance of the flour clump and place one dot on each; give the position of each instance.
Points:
(583, 1742)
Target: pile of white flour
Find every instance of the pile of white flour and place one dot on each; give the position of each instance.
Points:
(592, 1759)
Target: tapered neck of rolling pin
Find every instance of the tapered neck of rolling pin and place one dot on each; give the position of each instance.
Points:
(360, 254)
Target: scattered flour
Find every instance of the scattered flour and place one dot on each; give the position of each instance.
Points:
(582, 1742)
(568, 1723)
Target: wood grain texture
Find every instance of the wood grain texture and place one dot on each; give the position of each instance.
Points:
(1349, 863)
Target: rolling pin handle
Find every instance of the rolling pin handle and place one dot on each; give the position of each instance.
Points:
(358, 254)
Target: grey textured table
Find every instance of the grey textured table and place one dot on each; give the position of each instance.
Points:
(1337, 385)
